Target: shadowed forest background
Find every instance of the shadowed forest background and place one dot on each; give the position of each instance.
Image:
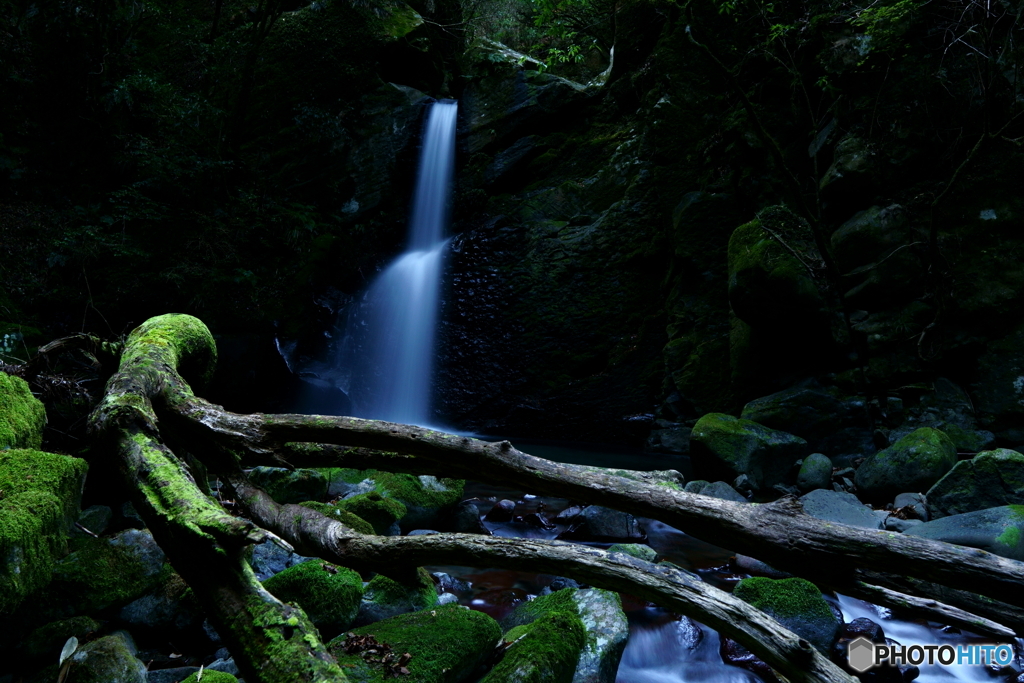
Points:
(666, 214)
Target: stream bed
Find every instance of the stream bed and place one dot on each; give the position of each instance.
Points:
(664, 647)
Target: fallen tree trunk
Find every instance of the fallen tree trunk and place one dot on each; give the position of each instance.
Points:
(204, 543)
(315, 534)
(778, 533)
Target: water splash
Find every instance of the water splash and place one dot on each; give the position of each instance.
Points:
(395, 322)
(679, 651)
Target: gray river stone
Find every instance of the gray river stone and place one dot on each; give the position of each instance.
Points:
(841, 507)
(998, 530)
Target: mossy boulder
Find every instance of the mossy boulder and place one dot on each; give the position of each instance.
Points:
(722, 447)
(868, 249)
(990, 479)
(604, 626)
(782, 328)
(290, 486)
(914, 464)
(384, 597)
(425, 498)
(546, 650)
(22, 415)
(171, 609)
(447, 644)
(869, 236)
(109, 572)
(211, 676)
(379, 512)
(998, 530)
(40, 500)
(815, 473)
(47, 641)
(328, 594)
(349, 519)
(767, 284)
(796, 604)
(830, 422)
(110, 659)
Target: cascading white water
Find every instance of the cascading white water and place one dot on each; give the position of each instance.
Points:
(397, 316)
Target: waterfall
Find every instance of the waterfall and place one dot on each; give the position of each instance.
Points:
(395, 320)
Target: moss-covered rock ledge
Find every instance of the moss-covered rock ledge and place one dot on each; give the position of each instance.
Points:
(39, 498)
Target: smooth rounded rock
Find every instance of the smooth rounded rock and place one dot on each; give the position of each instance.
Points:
(914, 463)
(723, 447)
(815, 473)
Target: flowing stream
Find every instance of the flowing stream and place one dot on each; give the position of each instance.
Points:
(391, 329)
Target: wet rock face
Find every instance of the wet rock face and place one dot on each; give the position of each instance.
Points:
(546, 329)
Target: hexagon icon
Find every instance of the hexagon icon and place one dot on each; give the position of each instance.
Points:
(861, 654)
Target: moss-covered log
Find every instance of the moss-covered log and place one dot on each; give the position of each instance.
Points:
(272, 642)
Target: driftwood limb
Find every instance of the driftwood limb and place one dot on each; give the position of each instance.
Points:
(315, 534)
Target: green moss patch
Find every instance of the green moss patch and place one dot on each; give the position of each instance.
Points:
(47, 641)
(543, 651)
(211, 677)
(101, 574)
(445, 644)
(39, 499)
(22, 415)
(290, 486)
(637, 550)
(381, 512)
(328, 594)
